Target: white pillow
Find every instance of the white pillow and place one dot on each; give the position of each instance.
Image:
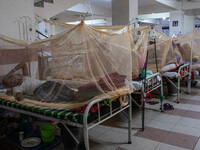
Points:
(169, 67)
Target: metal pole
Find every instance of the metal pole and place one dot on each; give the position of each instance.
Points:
(156, 54)
(130, 120)
(161, 88)
(190, 70)
(178, 94)
(143, 104)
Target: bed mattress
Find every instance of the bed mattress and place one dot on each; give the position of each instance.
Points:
(61, 113)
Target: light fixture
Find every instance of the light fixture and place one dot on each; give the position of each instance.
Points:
(164, 18)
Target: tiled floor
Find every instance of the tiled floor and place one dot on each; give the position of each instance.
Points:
(177, 129)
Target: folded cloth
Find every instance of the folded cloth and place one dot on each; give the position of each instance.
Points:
(168, 106)
(82, 109)
(51, 91)
(108, 83)
(113, 80)
(136, 85)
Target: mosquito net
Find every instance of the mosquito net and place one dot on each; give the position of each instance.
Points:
(184, 43)
(163, 49)
(139, 39)
(71, 68)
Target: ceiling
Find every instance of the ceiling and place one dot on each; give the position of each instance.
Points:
(103, 8)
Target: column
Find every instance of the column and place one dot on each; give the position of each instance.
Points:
(176, 22)
(189, 23)
(124, 11)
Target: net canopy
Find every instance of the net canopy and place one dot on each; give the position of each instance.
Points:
(159, 37)
(164, 50)
(183, 44)
(102, 28)
(72, 68)
(139, 39)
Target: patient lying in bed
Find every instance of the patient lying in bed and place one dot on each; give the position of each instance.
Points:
(50, 91)
(47, 91)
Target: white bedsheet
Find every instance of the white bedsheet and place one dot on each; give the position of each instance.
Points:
(137, 85)
(171, 75)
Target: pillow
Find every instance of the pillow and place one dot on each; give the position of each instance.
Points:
(169, 67)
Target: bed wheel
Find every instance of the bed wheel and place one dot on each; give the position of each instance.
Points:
(129, 142)
(81, 146)
(178, 102)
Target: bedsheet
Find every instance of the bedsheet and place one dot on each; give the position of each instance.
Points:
(171, 75)
(137, 85)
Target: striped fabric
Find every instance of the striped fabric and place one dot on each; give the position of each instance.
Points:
(55, 113)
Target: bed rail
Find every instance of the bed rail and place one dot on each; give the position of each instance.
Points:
(101, 119)
(183, 71)
(152, 83)
(86, 126)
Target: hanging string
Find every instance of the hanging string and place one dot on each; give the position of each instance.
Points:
(88, 4)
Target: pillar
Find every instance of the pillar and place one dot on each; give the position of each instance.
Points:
(189, 23)
(123, 11)
(176, 22)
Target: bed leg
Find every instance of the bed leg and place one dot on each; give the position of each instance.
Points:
(189, 84)
(130, 121)
(161, 97)
(86, 137)
(143, 111)
(178, 93)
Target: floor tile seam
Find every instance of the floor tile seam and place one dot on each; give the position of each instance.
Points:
(163, 121)
(176, 123)
(197, 142)
(100, 134)
(112, 131)
(189, 126)
(157, 145)
(165, 141)
(170, 130)
(103, 141)
(185, 114)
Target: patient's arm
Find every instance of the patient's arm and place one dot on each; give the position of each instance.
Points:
(22, 65)
(19, 96)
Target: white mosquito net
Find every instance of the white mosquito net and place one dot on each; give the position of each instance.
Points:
(75, 66)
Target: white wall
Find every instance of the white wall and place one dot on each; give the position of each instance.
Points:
(189, 23)
(10, 13)
(177, 16)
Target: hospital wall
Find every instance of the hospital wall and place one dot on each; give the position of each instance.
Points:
(16, 15)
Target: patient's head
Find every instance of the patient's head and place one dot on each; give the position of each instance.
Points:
(11, 81)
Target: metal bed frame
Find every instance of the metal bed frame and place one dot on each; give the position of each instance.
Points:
(184, 70)
(86, 126)
(153, 82)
